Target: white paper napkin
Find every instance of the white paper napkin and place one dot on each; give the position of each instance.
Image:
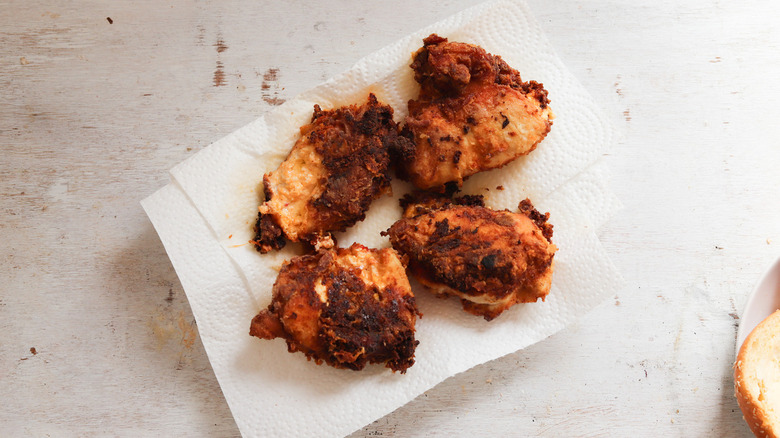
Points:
(204, 219)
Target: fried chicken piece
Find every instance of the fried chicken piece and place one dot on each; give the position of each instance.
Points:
(473, 113)
(334, 171)
(346, 307)
(490, 259)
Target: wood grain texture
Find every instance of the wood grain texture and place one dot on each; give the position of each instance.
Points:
(94, 111)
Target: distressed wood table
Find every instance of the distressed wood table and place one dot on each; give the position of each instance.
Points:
(99, 99)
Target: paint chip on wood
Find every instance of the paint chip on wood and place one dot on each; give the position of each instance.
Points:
(220, 45)
(219, 75)
(270, 88)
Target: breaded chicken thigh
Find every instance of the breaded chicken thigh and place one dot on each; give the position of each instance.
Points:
(490, 259)
(334, 171)
(474, 113)
(346, 307)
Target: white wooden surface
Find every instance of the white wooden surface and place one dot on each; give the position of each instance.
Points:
(92, 114)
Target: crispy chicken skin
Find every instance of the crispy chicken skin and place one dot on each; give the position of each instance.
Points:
(346, 307)
(334, 171)
(473, 113)
(490, 259)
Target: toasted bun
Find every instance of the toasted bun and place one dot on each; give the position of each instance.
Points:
(757, 378)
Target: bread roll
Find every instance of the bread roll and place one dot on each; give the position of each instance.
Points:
(757, 378)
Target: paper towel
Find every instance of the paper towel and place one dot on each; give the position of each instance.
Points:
(204, 219)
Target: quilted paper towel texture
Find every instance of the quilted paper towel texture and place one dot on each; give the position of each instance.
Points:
(274, 393)
(204, 219)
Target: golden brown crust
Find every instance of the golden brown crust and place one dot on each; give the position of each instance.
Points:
(490, 259)
(346, 307)
(748, 389)
(333, 173)
(473, 113)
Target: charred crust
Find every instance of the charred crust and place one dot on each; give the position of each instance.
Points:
(360, 324)
(421, 202)
(488, 262)
(536, 90)
(268, 234)
(354, 144)
(526, 207)
(359, 329)
(402, 152)
(476, 251)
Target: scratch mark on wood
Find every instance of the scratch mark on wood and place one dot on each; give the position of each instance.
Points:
(272, 74)
(627, 115)
(716, 60)
(269, 81)
(617, 86)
